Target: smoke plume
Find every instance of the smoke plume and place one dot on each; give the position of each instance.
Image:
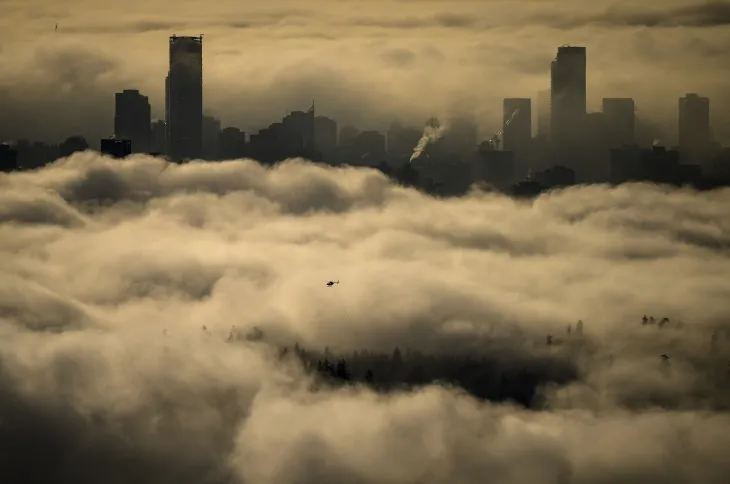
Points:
(432, 132)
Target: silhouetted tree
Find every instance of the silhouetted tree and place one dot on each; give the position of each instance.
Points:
(369, 378)
(328, 369)
(579, 327)
(644, 320)
(71, 145)
(488, 377)
(342, 372)
(549, 340)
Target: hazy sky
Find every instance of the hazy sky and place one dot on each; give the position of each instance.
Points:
(365, 62)
(98, 256)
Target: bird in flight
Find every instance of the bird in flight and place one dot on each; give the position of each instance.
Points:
(332, 283)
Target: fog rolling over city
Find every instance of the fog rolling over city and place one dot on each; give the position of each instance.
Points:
(383, 242)
(174, 324)
(362, 62)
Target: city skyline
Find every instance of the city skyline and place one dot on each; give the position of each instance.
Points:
(284, 57)
(572, 144)
(610, 106)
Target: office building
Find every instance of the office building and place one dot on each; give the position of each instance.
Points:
(495, 167)
(619, 120)
(132, 119)
(635, 164)
(116, 147)
(211, 138)
(184, 103)
(232, 144)
(568, 96)
(300, 128)
(694, 123)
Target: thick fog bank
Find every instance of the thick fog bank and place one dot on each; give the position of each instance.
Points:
(144, 310)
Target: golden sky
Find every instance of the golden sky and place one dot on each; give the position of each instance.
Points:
(365, 62)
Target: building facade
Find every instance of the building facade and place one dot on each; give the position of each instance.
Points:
(567, 96)
(694, 123)
(619, 122)
(132, 120)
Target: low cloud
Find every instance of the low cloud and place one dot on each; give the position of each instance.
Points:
(713, 13)
(110, 270)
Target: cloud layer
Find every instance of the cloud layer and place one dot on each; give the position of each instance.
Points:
(110, 269)
(363, 62)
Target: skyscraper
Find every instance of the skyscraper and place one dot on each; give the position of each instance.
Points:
(184, 104)
(619, 121)
(132, 119)
(694, 123)
(568, 96)
(518, 133)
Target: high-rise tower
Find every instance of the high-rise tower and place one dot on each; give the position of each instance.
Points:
(568, 96)
(184, 104)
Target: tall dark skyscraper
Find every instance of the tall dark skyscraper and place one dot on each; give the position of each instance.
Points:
(184, 104)
(568, 96)
(619, 121)
(518, 134)
(694, 123)
(132, 118)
